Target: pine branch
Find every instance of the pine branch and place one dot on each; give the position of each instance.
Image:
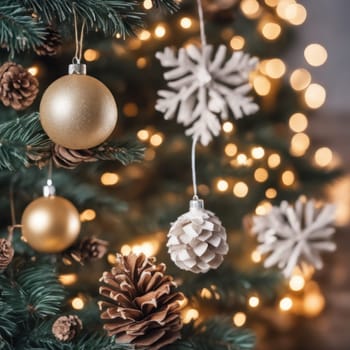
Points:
(18, 30)
(170, 5)
(23, 140)
(43, 292)
(214, 335)
(19, 136)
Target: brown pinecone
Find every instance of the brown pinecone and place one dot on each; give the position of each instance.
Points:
(53, 42)
(142, 307)
(6, 253)
(18, 88)
(69, 159)
(65, 328)
(39, 159)
(89, 249)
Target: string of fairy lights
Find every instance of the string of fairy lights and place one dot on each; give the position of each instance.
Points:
(304, 296)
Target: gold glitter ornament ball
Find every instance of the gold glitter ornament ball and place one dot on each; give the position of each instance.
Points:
(78, 112)
(50, 224)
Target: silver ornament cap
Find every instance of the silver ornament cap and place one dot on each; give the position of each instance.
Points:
(77, 68)
(49, 189)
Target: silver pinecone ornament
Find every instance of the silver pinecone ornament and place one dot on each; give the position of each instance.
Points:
(197, 240)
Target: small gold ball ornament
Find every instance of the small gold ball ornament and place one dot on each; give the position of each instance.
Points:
(50, 224)
(78, 111)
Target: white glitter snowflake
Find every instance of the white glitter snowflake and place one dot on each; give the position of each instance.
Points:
(291, 236)
(205, 87)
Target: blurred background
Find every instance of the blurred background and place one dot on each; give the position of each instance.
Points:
(297, 144)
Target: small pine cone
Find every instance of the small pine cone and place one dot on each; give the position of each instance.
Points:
(39, 159)
(142, 307)
(89, 249)
(65, 328)
(197, 240)
(69, 159)
(53, 42)
(18, 88)
(6, 253)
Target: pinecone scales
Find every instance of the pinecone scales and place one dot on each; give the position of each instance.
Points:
(69, 159)
(53, 42)
(18, 88)
(65, 328)
(141, 308)
(6, 253)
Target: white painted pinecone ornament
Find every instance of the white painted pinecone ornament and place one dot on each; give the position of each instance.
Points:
(197, 240)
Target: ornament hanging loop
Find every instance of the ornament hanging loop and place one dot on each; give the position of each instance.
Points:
(49, 189)
(201, 23)
(77, 67)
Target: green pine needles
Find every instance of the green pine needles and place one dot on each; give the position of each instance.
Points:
(23, 23)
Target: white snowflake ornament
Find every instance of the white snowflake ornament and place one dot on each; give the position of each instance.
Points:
(197, 240)
(205, 88)
(293, 235)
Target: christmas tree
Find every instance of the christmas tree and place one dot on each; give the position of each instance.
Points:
(121, 176)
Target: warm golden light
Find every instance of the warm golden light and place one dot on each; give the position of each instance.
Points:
(256, 256)
(118, 36)
(150, 154)
(156, 140)
(275, 68)
(112, 259)
(141, 62)
(78, 303)
(148, 4)
(240, 189)
(130, 109)
(242, 159)
(315, 96)
(88, 215)
(222, 185)
(288, 178)
(274, 160)
(237, 42)
(286, 304)
(282, 7)
(261, 175)
(271, 3)
(258, 152)
(271, 30)
(186, 22)
(299, 144)
(323, 156)
(253, 301)
(296, 14)
(144, 35)
(148, 248)
(125, 249)
(205, 293)
(239, 319)
(190, 315)
(91, 55)
(110, 179)
(298, 122)
(68, 279)
(271, 193)
(314, 303)
(262, 85)
(250, 8)
(315, 55)
(34, 70)
(263, 208)
(143, 135)
(297, 283)
(160, 31)
(300, 79)
(231, 149)
(227, 127)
